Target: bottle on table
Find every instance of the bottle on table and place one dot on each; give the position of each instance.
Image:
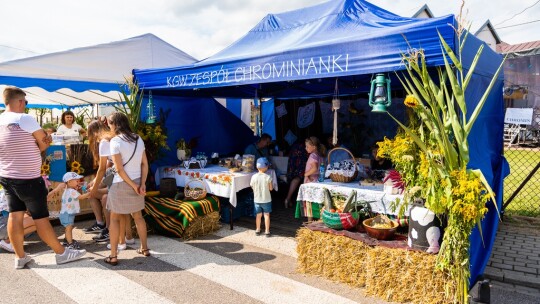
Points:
(321, 172)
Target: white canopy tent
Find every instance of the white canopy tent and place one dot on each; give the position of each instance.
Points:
(88, 75)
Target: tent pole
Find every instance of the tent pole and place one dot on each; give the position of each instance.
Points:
(260, 117)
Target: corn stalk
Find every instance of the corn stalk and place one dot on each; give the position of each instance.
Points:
(442, 109)
(132, 100)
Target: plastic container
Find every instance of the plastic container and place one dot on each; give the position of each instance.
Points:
(321, 172)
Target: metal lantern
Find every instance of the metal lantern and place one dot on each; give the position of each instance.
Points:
(150, 110)
(380, 96)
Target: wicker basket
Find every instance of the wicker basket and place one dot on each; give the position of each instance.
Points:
(340, 221)
(340, 178)
(195, 190)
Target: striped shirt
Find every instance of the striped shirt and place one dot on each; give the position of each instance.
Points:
(20, 157)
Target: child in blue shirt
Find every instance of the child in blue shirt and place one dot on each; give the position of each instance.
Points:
(70, 204)
(262, 185)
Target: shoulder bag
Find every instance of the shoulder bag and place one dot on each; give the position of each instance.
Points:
(111, 171)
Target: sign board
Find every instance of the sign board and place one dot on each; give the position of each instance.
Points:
(518, 116)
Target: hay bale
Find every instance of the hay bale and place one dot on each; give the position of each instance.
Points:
(395, 275)
(337, 258)
(405, 276)
(202, 225)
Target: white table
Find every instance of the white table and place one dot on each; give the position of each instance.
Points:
(217, 180)
(380, 201)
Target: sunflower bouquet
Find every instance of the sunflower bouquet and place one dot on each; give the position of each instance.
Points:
(155, 140)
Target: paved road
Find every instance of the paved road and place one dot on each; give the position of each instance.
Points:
(225, 267)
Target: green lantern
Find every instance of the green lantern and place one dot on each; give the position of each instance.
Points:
(150, 110)
(380, 96)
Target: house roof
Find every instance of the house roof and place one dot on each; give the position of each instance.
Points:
(505, 48)
(490, 27)
(425, 9)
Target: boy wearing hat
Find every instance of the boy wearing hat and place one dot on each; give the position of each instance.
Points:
(70, 204)
(262, 185)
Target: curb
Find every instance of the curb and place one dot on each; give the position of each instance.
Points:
(511, 277)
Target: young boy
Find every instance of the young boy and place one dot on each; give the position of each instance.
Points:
(70, 204)
(262, 185)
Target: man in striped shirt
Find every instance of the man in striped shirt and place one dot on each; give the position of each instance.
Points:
(21, 142)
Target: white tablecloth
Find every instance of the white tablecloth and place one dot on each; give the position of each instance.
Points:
(217, 180)
(313, 192)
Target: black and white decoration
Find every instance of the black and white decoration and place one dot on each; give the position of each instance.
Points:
(425, 230)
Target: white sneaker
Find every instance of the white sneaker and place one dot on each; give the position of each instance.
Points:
(6, 246)
(20, 263)
(130, 241)
(69, 255)
(120, 246)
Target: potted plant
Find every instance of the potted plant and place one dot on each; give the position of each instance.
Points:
(182, 150)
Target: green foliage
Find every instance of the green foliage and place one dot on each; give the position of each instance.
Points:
(450, 189)
(131, 106)
(80, 119)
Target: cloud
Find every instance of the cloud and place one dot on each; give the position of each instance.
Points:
(200, 27)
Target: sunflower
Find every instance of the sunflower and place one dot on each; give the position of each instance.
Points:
(411, 101)
(75, 165)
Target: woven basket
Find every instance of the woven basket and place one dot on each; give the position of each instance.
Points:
(340, 178)
(339, 221)
(195, 190)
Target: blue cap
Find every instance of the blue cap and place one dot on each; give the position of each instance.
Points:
(262, 163)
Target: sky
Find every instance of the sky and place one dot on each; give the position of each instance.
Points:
(202, 28)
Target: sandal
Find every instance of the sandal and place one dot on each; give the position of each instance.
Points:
(145, 252)
(111, 260)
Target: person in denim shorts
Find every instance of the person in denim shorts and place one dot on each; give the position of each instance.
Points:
(262, 185)
(22, 140)
(70, 204)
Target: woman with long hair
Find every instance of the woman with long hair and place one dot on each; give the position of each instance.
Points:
(126, 195)
(99, 136)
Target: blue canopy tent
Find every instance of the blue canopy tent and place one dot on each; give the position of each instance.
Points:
(301, 53)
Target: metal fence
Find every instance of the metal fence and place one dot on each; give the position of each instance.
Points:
(522, 186)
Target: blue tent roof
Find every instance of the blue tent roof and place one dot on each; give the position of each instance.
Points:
(301, 53)
(329, 40)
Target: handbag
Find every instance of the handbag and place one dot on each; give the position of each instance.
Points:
(111, 171)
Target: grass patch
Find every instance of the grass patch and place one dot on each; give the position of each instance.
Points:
(522, 162)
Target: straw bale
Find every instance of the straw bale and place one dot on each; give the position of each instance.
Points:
(395, 275)
(337, 258)
(405, 276)
(202, 225)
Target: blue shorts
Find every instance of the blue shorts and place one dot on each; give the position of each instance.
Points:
(66, 219)
(263, 208)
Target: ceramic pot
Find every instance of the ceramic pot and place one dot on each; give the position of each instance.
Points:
(181, 154)
(425, 230)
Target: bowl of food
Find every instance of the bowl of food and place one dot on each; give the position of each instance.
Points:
(380, 227)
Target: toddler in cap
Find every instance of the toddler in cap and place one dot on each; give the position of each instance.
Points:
(262, 162)
(262, 185)
(70, 204)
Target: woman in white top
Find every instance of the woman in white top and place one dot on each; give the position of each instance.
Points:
(126, 195)
(69, 126)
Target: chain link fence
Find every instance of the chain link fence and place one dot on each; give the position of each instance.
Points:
(522, 186)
